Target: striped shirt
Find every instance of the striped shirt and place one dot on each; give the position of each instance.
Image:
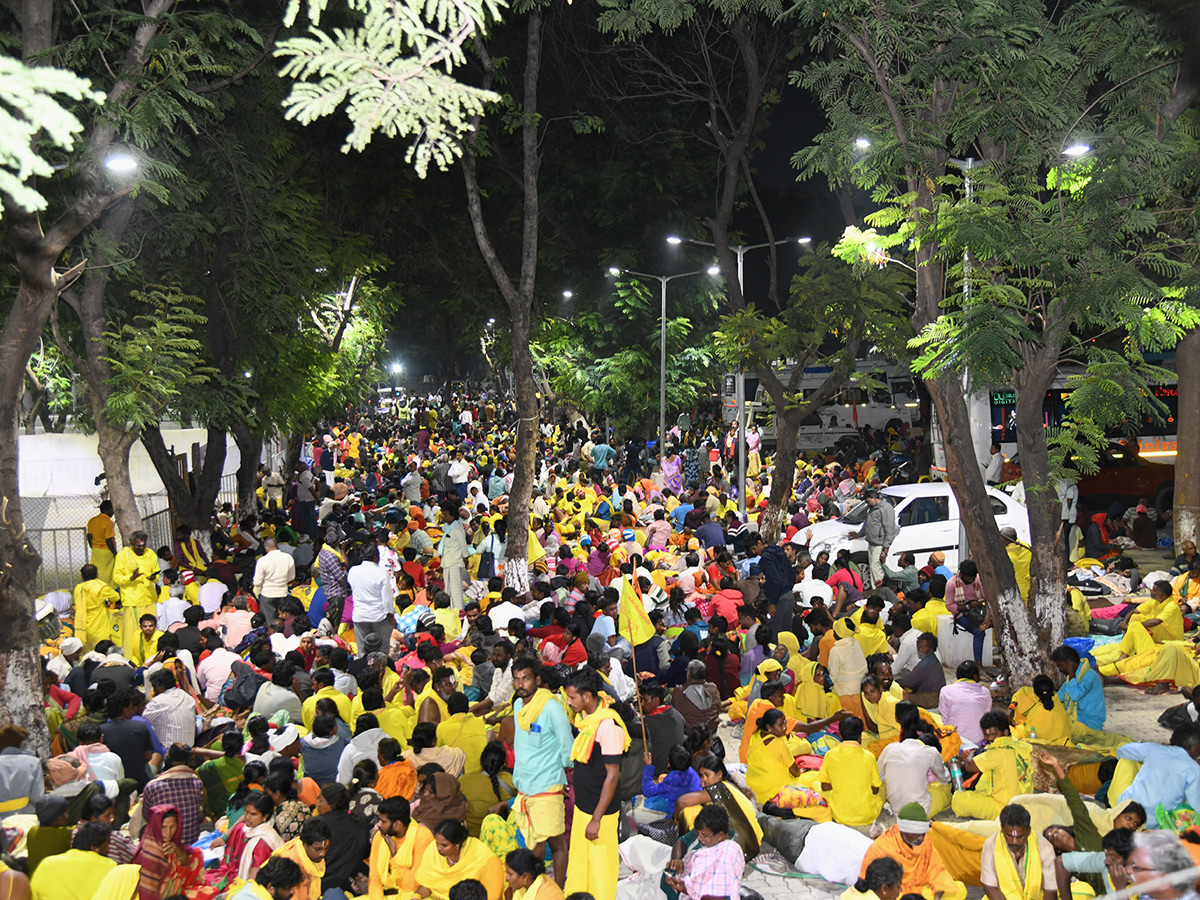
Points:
(172, 715)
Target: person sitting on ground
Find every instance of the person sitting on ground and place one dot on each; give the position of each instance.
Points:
(906, 842)
(849, 778)
(880, 881)
(713, 864)
(1015, 861)
(1005, 767)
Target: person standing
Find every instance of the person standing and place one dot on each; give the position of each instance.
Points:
(273, 574)
(456, 547)
(305, 518)
(602, 455)
(542, 751)
(102, 539)
(597, 754)
(994, 467)
(93, 600)
(332, 563)
(374, 592)
(134, 572)
(879, 529)
(1068, 498)
(273, 485)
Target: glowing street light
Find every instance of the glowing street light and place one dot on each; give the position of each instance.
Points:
(804, 240)
(567, 295)
(863, 143)
(121, 163)
(674, 239)
(397, 368)
(1077, 150)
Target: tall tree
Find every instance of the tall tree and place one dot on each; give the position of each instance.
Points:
(1012, 91)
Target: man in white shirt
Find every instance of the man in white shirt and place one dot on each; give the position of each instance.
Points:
(273, 485)
(273, 575)
(466, 418)
(306, 500)
(994, 466)
(1068, 498)
(171, 712)
(459, 474)
(411, 483)
(905, 767)
(906, 652)
(211, 594)
(374, 592)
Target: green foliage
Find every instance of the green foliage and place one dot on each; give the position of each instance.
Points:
(392, 70)
(29, 115)
(154, 357)
(54, 374)
(827, 303)
(606, 362)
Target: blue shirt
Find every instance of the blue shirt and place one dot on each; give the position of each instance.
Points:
(544, 751)
(662, 796)
(1087, 693)
(1168, 776)
(602, 454)
(679, 513)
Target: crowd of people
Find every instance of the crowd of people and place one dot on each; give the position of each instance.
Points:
(336, 695)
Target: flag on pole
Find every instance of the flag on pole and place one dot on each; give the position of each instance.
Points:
(636, 626)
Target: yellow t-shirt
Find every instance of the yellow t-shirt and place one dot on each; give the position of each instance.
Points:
(1168, 610)
(101, 528)
(466, 731)
(1006, 768)
(850, 769)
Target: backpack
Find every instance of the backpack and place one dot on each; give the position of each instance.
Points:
(241, 687)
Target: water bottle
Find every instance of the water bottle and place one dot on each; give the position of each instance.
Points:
(956, 773)
(1033, 734)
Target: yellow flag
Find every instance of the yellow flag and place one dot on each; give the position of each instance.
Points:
(636, 626)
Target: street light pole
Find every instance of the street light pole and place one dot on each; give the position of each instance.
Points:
(740, 391)
(662, 342)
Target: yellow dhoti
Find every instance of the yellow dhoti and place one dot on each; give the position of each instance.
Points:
(103, 559)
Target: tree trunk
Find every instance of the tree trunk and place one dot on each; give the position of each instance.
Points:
(191, 504)
(20, 669)
(249, 446)
(1048, 578)
(516, 566)
(1187, 459)
(113, 450)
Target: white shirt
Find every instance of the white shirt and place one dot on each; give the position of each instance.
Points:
(503, 613)
(904, 767)
(906, 654)
(173, 717)
(1068, 497)
(106, 766)
(411, 485)
(993, 468)
(362, 746)
(459, 471)
(211, 593)
(374, 592)
(465, 417)
(304, 487)
(170, 612)
(389, 560)
(273, 573)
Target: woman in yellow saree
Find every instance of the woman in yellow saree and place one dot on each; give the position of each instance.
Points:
(772, 773)
(811, 699)
(1038, 714)
(456, 856)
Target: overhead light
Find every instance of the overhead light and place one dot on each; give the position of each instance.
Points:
(1077, 150)
(567, 295)
(804, 240)
(491, 321)
(613, 270)
(673, 239)
(713, 270)
(862, 143)
(396, 367)
(121, 163)
(911, 405)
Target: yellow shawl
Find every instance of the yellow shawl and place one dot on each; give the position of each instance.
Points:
(581, 750)
(398, 870)
(532, 708)
(475, 861)
(1006, 870)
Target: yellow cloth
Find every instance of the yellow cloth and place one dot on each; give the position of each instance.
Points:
(872, 638)
(92, 620)
(138, 597)
(119, 883)
(144, 647)
(1020, 556)
(796, 662)
(468, 732)
(308, 709)
(1012, 885)
(1053, 726)
(925, 619)
(581, 749)
(313, 872)
(812, 701)
(1171, 627)
(542, 888)
(883, 714)
(1172, 662)
(1006, 768)
(1185, 588)
(397, 871)
(532, 708)
(73, 875)
(101, 529)
(851, 771)
(593, 864)
(450, 620)
(475, 860)
(635, 624)
(768, 766)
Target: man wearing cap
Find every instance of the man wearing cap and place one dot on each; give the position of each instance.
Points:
(879, 529)
(906, 842)
(1020, 555)
(64, 663)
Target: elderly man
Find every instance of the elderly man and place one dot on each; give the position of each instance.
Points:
(698, 701)
(924, 871)
(21, 782)
(1157, 854)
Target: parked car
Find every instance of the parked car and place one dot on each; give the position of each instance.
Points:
(928, 518)
(1123, 476)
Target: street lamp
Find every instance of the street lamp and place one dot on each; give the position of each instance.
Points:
(1077, 150)
(121, 163)
(740, 250)
(397, 368)
(662, 349)
(567, 295)
(863, 143)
